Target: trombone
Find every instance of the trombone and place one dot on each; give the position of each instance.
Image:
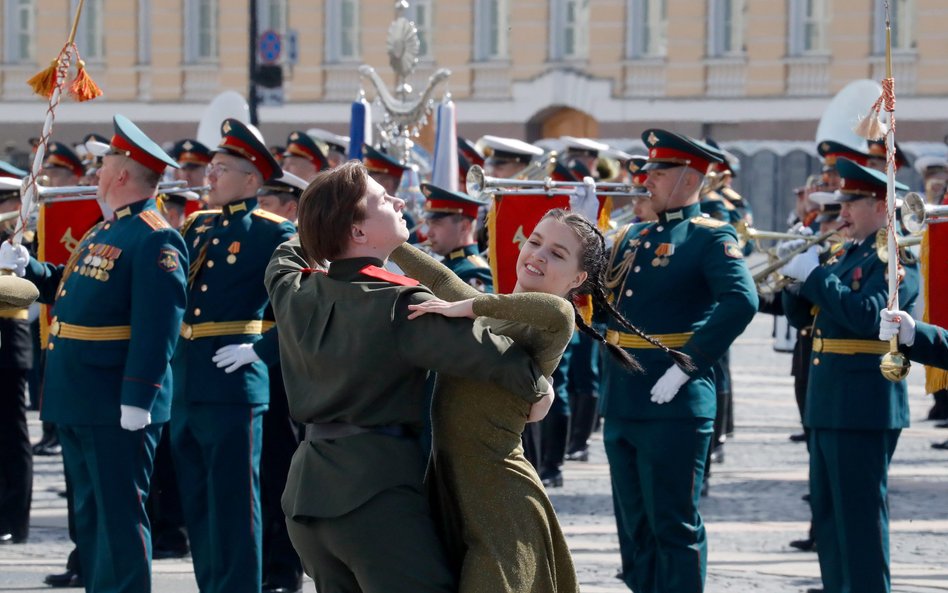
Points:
(481, 186)
(916, 214)
(746, 233)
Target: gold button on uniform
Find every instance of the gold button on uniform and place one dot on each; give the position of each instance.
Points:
(197, 312)
(226, 222)
(816, 362)
(62, 292)
(50, 347)
(210, 263)
(216, 241)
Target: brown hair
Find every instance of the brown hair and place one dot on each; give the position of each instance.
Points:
(329, 207)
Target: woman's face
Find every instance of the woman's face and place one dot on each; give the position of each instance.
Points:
(550, 260)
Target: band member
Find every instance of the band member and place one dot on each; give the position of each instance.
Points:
(507, 157)
(584, 152)
(336, 147)
(354, 499)
(118, 308)
(192, 158)
(451, 218)
(303, 157)
(683, 280)
(282, 196)
(221, 387)
(854, 423)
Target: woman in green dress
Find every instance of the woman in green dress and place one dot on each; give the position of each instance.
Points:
(498, 524)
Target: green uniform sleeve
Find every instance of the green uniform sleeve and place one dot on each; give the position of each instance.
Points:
(797, 308)
(930, 347)
(856, 310)
(158, 299)
(543, 311)
(732, 287)
(282, 276)
(436, 276)
(465, 348)
(46, 277)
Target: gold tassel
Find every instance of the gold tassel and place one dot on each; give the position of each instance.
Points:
(44, 82)
(83, 88)
(871, 126)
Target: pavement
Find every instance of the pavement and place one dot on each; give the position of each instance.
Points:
(753, 511)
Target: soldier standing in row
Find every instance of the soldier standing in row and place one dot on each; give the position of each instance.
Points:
(221, 387)
(683, 280)
(119, 301)
(451, 218)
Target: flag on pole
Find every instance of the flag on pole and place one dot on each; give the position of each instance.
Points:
(444, 169)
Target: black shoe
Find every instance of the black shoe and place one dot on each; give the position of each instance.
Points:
(553, 480)
(814, 590)
(799, 437)
(282, 589)
(70, 578)
(47, 449)
(705, 487)
(805, 498)
(942, 425)
(717, 454)
(804, 545)
(164, 553)
(9, 538)
(620, 576)
(580, 455)
(942, 446)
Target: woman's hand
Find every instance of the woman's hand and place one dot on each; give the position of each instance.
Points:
(539, 410)
(459, 309)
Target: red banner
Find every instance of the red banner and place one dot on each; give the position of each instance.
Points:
(935, 288)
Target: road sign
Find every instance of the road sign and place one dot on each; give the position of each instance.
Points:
(292, 47)
(269, 46)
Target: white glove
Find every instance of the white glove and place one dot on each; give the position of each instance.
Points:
(584, 200)
(785, 247)
(235, 356)
(14, 258)
(897, 323)
(800, 267)
(667, 386)
(134, 418)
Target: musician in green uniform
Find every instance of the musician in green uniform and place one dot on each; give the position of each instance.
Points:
(354, 499)
(853, 413)
(683, 280)
(451, 218)
(118, 304)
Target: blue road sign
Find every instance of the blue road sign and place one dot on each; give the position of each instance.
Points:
(269, 46)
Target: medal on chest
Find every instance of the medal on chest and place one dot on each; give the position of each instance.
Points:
(663, 254)
(98, 261)
(857, 278)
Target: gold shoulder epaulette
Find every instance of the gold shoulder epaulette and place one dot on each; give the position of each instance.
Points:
(708, 222)
(153, 220)
(194, 216)
(267, 215)
(731, 195)
(478, 261)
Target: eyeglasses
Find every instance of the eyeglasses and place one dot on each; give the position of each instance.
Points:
(217, 169)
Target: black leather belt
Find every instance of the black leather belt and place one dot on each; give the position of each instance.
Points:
(324, 431)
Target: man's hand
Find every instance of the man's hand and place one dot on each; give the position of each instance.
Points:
(235, 356)
(134, 418)
(14, 258)
(800, 267)
(667, 386)
(897, 323)
(541, 408)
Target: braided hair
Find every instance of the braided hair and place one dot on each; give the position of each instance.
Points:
(593, 260)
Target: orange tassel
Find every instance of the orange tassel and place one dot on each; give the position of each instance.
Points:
(83, 88)
(44, 82)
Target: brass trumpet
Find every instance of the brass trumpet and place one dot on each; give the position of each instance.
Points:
(479, 185)
(747, 233)
(916, 213)
(768, 278)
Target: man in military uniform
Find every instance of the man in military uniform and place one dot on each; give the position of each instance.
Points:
(282, 571)
(683, 280)
(854, 414)
(192, 158)
(302, 157)
(16, 360)
(584, 152)
(507, 157)
(336, 146)
(62, 166)
(354, 499)
(119, 301)
(451, 217)
(221, 387)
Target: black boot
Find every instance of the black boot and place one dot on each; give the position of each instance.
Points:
(555, 430)
(582, 421)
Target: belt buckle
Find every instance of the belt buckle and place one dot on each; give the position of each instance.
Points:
(817, 344)
(186, 331)
(55, 327)
(612, 337)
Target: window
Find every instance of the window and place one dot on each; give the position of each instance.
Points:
(491, 29)
(902, 22)
(90, 35)
(726, 27)
(569, 29)
(809, 24)
(201, 31)
(420, 13)
(342, 31)
(647, 27)
(272, 15)
(19, 31)
(144, 31)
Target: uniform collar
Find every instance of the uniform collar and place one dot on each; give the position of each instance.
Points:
(679, 214)
(239, 207)
(134, 208)
(348, 269)
(463, 251)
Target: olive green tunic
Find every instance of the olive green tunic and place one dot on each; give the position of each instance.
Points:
(498, 524)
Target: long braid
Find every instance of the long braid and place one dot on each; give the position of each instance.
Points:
(594, 262)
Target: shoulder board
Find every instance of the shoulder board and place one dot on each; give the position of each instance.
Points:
(267, 215)
(386, 276)
(708, 222)
(478, 261)
(194, 216)
(153, 220)
(731, 195)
